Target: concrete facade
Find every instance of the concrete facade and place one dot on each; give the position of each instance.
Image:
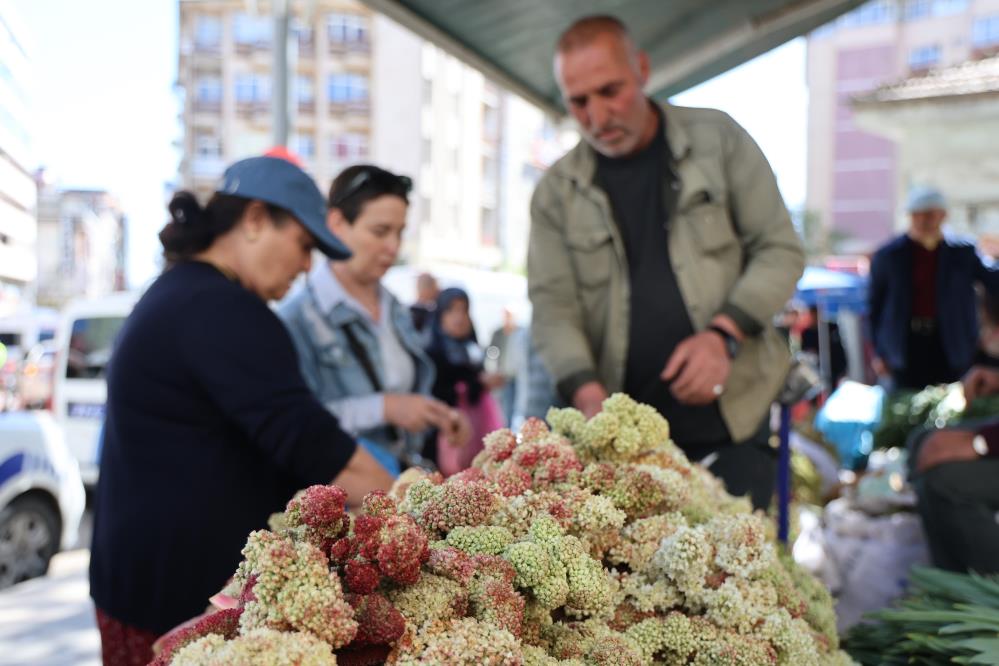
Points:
(18, 228)
(945, 126)
(81, 245)
(366, 90)
(853, 174)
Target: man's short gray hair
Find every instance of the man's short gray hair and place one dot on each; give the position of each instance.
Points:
(583, 31)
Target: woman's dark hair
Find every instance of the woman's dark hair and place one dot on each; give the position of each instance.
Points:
(193, 228)
(356, 185)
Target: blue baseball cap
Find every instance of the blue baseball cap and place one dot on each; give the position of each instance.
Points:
(922, 199)
(279, 182)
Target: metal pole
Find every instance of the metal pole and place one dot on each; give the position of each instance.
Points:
(784, 476)
(825, 355)
(280, 103)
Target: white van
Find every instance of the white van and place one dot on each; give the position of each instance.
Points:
(86, 336)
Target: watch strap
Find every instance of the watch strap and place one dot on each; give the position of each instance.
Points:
(731, 343)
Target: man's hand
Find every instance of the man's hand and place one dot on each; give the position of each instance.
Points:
(946, 446)
(589, 398)
(415, 413)
(980, 381)
(697, 366)
(879, 367)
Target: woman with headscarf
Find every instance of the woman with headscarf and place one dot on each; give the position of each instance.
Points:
(461, 380)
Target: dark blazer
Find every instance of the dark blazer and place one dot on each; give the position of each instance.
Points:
(959, 268)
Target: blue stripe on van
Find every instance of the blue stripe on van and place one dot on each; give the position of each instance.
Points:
(10, 467)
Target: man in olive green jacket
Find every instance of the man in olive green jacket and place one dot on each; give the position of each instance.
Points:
(660, 251)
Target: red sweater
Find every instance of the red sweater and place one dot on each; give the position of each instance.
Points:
(924, 281)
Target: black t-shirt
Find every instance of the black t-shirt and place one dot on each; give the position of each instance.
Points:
(210, 429)
(643, 191)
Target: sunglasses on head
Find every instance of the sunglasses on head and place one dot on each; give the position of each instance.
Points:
(393, 184)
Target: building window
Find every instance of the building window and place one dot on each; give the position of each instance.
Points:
(305, 94)
(347, 29)
(252, 88)
(349, 147)
(924, 57)
(917, 9)
(304, 145)
(489, 227)
(344, 88)
(871, 13)
(208, 33)
(985, 32)
(949, 7)
(302, 34)
(207, 145)
(252, 31)
(208, 92)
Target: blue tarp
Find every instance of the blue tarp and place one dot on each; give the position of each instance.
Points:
(831, 290)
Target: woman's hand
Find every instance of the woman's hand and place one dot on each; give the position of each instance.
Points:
(362, 475)
(458, 430)
(492, 380)
(415, 413)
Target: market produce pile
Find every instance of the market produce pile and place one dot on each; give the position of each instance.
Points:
(949, 618)
(933, 407)
(595, 542)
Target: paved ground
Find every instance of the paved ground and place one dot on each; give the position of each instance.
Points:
(50, 621)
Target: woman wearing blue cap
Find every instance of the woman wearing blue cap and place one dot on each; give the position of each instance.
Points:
(210, 427)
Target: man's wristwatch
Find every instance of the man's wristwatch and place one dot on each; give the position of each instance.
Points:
(731, 343)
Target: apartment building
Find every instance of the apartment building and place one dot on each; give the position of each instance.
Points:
(854, 179)
(365, 89)
(81, 244)
(18, 230)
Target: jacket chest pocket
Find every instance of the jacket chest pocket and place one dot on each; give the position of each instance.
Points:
(711, 228)
(592, 251)
(340, 369)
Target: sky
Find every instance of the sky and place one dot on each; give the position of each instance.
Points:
(106, 109)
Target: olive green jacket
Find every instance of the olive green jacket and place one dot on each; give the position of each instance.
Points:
(731, 243)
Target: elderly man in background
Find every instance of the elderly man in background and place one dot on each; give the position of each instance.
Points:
(660, 252)
(923, 317)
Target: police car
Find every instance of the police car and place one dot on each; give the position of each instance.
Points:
(41, 495)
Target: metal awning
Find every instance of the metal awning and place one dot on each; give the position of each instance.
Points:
(688, 41)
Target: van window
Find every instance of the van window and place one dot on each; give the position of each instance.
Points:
(10, 339)
(90, 344)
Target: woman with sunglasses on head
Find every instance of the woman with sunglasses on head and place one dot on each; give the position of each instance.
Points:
(210, 427)
(359, 351)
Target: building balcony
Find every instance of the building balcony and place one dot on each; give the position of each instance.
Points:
(358, 107)
(336, 47)
(206, 106)
(307, 108)
(249, 48)
(253, 109)
(208, 49)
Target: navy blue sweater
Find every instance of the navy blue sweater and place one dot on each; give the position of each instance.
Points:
(210, 429)
(959, 268)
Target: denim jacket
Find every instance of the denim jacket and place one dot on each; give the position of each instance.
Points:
(316, 315)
